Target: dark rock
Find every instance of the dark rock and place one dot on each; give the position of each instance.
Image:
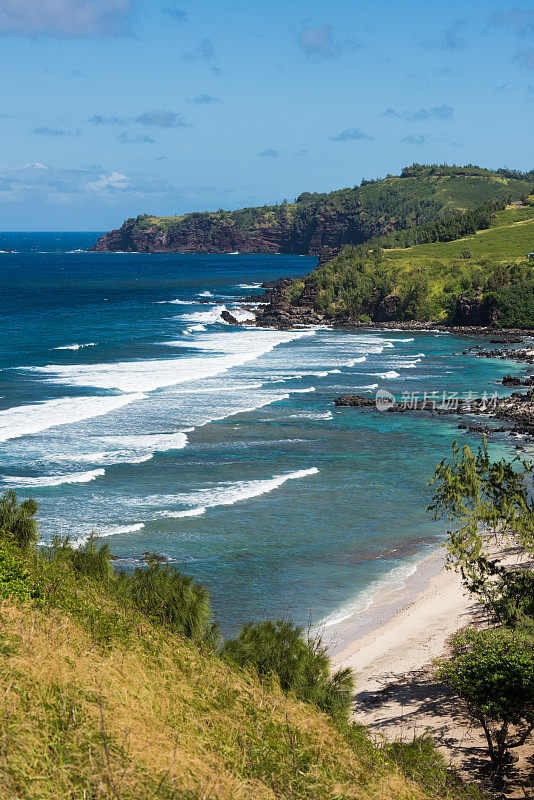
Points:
(477, 310)
(153, 557)
(227, 317)
(511, 380)
(355, 401)
(388, 309)
(475, 428)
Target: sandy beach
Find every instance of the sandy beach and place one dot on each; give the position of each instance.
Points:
(414, 635)
(397, 695)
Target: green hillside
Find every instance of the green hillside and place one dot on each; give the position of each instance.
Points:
(512, 237)
(487, 271)
(114, 687)
(352, 215)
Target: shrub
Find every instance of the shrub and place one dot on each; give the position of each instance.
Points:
(17, 523)
(90, 560)
(516, 306)
(493, 672)
(300, 663)
(295, 292)
(15, 579)
(171, 598)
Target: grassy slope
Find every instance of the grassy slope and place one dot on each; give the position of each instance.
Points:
(451, 191)
(446, 268)
(99, 703)
(511, 239)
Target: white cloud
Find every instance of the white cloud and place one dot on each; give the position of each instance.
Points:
(105, 182)
(65, 18)
(35, 183)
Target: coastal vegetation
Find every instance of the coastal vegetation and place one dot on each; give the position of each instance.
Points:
(115, 686)
(472, 268)
(489, 509)
(418, 196)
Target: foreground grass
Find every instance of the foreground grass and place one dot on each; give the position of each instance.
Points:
(98, 702)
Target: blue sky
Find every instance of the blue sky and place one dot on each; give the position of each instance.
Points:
(118, 107)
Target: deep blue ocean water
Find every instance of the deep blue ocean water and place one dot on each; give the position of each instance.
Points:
(129, 408)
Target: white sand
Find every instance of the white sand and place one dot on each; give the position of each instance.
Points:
(397, 695)
(413, 637)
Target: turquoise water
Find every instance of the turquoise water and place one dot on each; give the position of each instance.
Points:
(128, 407)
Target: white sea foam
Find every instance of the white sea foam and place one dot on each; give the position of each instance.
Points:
(311, 415)
(151, 443)
(241, 314)
(75, 346)
(146, 376)
(112, 457)
(407, 364)
(394, 580)
(190, 512)
(24, 420)
(104, 532)
(248, 286)
(113, 531)
(388, 375)
(205, 294)
(227, 494)
(354, 361)
(53, 480)
(209, 317)
(178, 302)
(298, 375)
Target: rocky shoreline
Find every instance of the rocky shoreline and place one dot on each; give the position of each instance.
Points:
(278, 312)
(517, 410)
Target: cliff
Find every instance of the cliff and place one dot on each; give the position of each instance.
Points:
(485, 279)
(314, 220)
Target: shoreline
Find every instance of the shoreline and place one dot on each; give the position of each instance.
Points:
(409, 631)
(397, 696)
(389, 596)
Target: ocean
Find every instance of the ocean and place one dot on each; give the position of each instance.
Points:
(130, 409)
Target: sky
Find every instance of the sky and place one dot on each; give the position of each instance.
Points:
(113, 108)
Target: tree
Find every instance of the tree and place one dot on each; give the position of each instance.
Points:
(17, 523)
(485, 502)
(300, 664)
(171, 598)
(493, 672)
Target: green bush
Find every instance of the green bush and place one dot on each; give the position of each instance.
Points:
(493, 672)
(90, 560)
(15, 580)
(171, 598)
(516, 306)
(300, 663)
(295, 291)
(17, 523)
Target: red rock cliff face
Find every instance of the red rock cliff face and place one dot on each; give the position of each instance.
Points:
(269, 233)
(197, 236)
